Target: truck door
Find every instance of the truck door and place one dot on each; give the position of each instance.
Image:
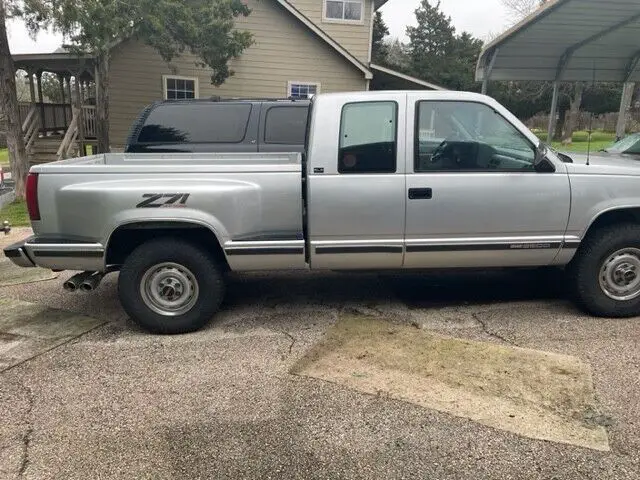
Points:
(356, 183)
(474, 196)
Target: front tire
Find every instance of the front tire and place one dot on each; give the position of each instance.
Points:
(169, 286)
(606, 272)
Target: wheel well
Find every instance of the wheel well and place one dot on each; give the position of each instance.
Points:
(615, 217)
(127, 238)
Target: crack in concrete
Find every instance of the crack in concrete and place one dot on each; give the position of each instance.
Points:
(26, 438)
(292, 338)
(492, 334)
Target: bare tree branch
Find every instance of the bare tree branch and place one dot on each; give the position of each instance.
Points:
(518, 9)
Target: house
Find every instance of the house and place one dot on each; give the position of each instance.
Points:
(301, 47)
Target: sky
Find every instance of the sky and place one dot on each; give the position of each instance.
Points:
(482, 18)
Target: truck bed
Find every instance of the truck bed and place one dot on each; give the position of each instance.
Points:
(176, 163)
(247, 200)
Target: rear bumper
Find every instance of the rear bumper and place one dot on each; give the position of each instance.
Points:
(57, 254)
(17, 254)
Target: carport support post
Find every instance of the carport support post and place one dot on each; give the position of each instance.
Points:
(625, 104)
(554, 110)
(488, 70)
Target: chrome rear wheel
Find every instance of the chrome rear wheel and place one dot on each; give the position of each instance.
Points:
(169, 289)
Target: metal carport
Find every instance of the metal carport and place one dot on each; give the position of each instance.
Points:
(570, 41)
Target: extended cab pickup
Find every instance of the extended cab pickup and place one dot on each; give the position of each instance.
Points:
(389, 180)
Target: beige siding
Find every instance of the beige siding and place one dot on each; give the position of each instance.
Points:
(355, 38)
(284, 51)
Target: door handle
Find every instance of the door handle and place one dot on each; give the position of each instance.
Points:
(420, 194)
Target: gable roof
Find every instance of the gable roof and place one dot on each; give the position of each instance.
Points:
(408, 78)
(330, 41)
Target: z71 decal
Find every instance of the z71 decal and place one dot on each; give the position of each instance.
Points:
(164, 200)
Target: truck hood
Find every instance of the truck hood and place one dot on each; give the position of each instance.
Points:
(607, 164)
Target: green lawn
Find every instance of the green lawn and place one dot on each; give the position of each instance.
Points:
(4, 157)
(16, 213)
(599, 140)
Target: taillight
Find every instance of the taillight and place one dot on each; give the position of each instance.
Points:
(32, 197)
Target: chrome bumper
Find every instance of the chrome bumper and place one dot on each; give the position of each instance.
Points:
(57, 254)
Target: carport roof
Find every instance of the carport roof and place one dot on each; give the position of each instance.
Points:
(570, 40)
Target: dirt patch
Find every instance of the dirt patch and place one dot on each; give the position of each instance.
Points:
(536, 394)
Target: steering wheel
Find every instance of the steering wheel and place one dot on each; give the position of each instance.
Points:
(438, 153)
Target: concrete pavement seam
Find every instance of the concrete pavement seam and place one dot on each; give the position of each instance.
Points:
(26, 438)
(486, 330)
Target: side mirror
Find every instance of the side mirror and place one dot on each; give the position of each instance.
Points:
(541, 163)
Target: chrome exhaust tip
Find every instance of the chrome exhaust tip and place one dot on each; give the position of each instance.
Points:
(75, 282)
(92, 282)
(70, 286)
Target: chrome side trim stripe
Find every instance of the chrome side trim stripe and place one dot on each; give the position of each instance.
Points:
(265, 251)
(359, 249)
(471, 247)
(69, 253)
(285, 247)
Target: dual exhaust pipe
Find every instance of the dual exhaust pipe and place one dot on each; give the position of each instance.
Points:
(85, 281)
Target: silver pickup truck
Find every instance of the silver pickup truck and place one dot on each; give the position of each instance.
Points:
(389, 180)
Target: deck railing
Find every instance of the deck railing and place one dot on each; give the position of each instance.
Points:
(55, 116)
(89, 117)
(31, 127)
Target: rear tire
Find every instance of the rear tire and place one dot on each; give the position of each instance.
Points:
(605, 274)
(170, 286)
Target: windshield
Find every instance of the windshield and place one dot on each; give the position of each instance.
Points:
(629, 144)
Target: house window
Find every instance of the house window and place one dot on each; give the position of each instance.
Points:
(180, 88)
(343, 10)
(301, 90)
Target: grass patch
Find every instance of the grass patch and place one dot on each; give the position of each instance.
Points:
(599, 140)
(4, 158)
(16, 213)
(582, 147)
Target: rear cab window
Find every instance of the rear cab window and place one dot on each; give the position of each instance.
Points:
(196, 123)
(368, 137)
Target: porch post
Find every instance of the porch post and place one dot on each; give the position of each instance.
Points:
(69, 96)
(64, 109)
(77, 102)
(32, 88)
(68, 79)
(41, 100)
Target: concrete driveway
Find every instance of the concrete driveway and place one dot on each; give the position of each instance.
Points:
(118, 403)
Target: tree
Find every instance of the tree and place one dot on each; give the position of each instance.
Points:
(437, 53)
(51, 89)
(204, 28)
(379, 49)
(397, 55)
(9, 109)
(574, 111)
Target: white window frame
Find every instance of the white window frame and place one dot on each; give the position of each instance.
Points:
(195, 80)
(326, 19)
(290, 83)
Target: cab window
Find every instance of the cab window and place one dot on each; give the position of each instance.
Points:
(468, 136)
(368, 138)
